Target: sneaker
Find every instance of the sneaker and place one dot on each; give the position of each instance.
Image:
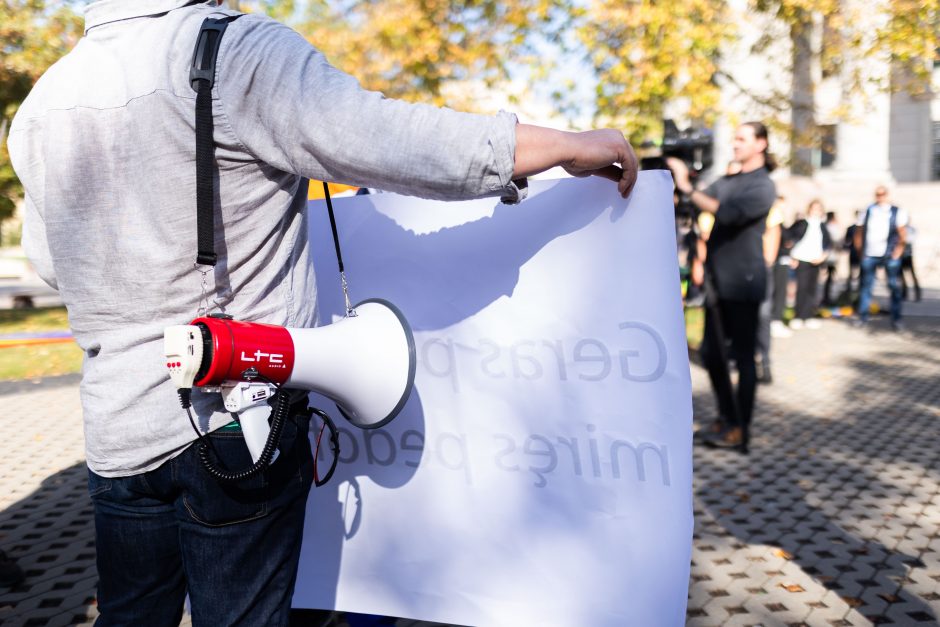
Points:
(897, 326)
(779, 330)
(796, 324)
(859, 323)
(11, 575)
(813, 323)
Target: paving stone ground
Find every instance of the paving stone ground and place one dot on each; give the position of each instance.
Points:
(833, 518)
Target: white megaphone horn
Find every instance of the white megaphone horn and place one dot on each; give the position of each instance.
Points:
(365, 363)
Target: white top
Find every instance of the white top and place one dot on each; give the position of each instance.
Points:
(879, 223)
(810, 246)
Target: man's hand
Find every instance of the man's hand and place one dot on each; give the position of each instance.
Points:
(603, 152)
(680, 174)
(595, 152)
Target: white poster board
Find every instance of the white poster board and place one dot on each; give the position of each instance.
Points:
(541, 472)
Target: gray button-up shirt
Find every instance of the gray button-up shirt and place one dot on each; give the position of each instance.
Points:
(105, 148)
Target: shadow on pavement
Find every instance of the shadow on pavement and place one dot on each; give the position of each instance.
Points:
(839, 488)
(51, 535)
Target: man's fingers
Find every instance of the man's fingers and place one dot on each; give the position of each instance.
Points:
(625, 179)
(611, 172)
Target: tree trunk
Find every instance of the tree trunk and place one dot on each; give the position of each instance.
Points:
(803, 112)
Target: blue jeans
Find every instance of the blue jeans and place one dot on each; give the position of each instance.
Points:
(233, 548)
(893, 269)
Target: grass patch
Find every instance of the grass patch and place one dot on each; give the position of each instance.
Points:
(27, 320)
(37, 360)
(694, 326)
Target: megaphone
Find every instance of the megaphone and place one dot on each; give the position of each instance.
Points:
(364, 362)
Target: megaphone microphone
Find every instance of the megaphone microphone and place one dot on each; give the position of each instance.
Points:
(364, 362)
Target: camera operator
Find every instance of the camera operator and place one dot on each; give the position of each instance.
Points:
(735, 269)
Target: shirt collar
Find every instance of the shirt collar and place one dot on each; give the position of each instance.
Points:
(106, 11)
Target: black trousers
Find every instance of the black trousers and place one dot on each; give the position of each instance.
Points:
(907, 266)
(738, 320)
(781, 283)
(764, 318)
(827, 287)
(807, 287)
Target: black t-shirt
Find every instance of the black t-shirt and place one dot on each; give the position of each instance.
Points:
(735, 251)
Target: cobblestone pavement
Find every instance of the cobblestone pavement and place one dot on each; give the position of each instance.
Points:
(833, 518)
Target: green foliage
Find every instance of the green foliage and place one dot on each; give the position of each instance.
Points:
(35, 34)
(33, 320)
(414, 49)
(645, 53)
(911, 36)
(649, 52)
(904, 33)
(37, 360)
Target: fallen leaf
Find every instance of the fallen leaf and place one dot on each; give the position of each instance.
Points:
(781, 553)
(792, 587)
(852, 601)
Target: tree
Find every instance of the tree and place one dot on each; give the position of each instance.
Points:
(911, 36)
(647, 53)
(35, 34)
(414, 49)
(902, 34)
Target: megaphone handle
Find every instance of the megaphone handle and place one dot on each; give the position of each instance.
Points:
(254, 422)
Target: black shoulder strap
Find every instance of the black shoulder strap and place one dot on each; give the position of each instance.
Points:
(202, 77)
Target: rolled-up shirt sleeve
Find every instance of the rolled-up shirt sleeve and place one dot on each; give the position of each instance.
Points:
(290, 108)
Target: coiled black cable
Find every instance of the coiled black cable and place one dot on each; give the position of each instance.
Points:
(278, 416)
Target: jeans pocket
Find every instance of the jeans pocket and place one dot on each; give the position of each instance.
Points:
(291, 475)
(215, 503)
(97, 484)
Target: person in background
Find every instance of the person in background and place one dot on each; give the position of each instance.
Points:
(832, 260)
(773, 231)
(735, 264)
(852, 280)
(907, 264)
(781, 274)
(703, 227)
(880, 239)
(810, 249)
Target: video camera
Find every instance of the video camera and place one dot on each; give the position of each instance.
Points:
(693, 146)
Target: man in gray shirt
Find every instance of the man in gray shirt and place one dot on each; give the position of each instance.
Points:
(104, 146)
